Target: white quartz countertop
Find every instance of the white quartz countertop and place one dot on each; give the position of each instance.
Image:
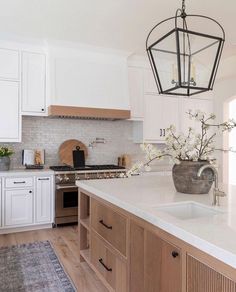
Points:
(25, 172)
(215, 235)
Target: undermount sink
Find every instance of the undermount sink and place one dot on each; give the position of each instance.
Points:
(188, 210)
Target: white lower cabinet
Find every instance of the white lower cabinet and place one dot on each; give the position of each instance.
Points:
(18, 207)
(43, 200)
(26, 201)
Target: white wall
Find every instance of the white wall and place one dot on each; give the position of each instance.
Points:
(232, 143)
(224, 90)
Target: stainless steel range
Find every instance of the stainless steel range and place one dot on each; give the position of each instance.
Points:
(66, 196)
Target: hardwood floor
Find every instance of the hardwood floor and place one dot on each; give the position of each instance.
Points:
(65, 243)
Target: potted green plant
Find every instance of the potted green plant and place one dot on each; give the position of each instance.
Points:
(189, 152)
(5, 154)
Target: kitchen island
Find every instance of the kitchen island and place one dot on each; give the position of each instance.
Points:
(150, 247)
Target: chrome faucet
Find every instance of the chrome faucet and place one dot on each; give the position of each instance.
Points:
(216, 192)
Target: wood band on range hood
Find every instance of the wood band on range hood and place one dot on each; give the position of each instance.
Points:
(86, 112)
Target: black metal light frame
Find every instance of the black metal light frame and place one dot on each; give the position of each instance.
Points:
(177, 30)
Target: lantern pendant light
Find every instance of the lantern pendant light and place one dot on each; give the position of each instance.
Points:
(184, 61)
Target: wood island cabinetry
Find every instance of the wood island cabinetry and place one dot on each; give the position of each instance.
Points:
(155, 264)
(131, 255)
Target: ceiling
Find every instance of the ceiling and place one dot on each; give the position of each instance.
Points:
(117, 24)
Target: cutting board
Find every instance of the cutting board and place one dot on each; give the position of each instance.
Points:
(66, 151)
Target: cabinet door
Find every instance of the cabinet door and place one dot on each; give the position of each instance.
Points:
(43, 200)
(18, 207)
(153, 119)
(170, 113)
(136, 93)
(155, 264)
(160, 113)
(205, 106)
(193, 104)
(33, 83)
(10, 120)
(9, 64)
(108, 265)
(202, 278)
(150, 86)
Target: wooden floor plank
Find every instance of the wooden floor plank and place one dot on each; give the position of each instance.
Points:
(66, 246)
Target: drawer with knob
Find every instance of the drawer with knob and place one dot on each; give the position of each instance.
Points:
(111, 268)
(112, 226)
(18, 182)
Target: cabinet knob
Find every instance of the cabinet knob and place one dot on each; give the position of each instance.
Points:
(160, 132)
(42, 109)
(175, 254)
(30, 192)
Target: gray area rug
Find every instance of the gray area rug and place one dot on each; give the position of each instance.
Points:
(32, 267)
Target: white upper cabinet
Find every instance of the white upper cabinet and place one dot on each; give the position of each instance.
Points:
(153, 119)
(150, 86)
(9, 64)
(10, 119)
(160, 113)
(33, 83)
(89, 79)
(136, 93)
(204, 105)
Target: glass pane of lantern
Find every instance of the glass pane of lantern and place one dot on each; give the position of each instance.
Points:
(198, 60)
(165, 58)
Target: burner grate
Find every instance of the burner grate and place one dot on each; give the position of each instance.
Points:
(87, 167)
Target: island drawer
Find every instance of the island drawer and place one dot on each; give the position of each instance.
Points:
(112, 269)
(111, 225)
(18, 182)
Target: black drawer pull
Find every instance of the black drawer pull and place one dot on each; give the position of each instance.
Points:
(105, 225)
(102, 263)
(19, 182)
(175, 254)
(46, 178)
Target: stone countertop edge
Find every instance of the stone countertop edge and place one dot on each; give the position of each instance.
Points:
(25, 172)
(219, 253)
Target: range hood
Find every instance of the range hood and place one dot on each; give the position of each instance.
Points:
(87, 113)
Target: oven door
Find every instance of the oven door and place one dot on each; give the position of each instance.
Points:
(66, 201)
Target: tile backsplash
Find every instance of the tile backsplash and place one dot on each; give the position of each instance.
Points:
(49, 133)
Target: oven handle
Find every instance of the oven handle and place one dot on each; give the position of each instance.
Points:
(58, 187)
